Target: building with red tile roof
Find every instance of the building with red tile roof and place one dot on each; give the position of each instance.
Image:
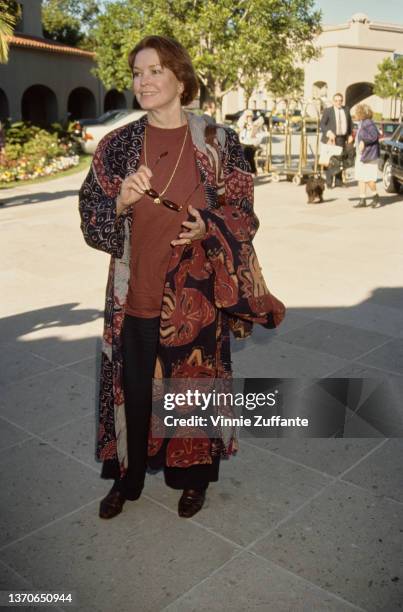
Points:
(46, 81)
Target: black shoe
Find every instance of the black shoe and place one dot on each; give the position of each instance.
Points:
(375, 202)
(360, 204)
(112, 504)
(191, 502)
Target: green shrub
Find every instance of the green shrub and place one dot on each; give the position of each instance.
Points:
(20, 132)
(31, 152)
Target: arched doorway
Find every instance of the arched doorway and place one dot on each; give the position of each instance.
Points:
(4, 108)
(319, 90)
(357, 92)
(39, 105)
(81, 104)
(114, 99)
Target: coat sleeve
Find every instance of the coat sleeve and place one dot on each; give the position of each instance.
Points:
(324, 122)
(101, 227)
(368, 134)
(239, 286)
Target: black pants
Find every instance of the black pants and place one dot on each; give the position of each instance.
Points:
(340, 142)
(139, 351)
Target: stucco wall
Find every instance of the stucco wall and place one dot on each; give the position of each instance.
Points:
(31, 22)
(61, 73)
(363, 34)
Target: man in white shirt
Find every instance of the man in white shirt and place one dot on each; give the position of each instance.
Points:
(336, 126)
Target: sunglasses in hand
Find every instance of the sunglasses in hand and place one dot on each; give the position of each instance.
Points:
(154, 195)
(158, 199)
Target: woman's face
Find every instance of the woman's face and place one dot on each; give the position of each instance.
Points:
(155, 87)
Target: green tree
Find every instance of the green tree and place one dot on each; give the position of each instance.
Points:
(231, 42)
(10, 13)
(388, 82)
(70, 21)
(286, 81)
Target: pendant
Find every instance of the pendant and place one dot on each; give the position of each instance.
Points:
(157, 201)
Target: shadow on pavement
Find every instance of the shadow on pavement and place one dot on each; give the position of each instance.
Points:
(65, 315)
(310, 497)
(34, 198)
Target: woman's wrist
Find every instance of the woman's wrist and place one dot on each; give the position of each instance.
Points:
(119, 206)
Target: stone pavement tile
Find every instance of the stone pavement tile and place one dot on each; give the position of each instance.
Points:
(10, 435)
(19, 363)
(39, 484)
(141, 560)
(328, 455)
(254, 492)
(86, 367)
(335, 339)
(65, 345)
(382, 471)
(354, 369)
(254, 584)
(370, 316)
(11, 581)
(281, 359)
(47, 401)
(78, 439)
(347, 541)
(388, 357)
(261, 336)
(389, 296)
(382, 383)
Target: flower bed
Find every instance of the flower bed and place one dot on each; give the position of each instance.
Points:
(32, 152)
(23, 169)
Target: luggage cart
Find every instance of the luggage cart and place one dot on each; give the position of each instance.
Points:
(301, 168)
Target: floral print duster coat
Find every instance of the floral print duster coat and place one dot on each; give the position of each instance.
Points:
(212, 286)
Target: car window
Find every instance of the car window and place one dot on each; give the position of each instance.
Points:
(395, 134)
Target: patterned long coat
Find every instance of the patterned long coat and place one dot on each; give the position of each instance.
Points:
(212, 286)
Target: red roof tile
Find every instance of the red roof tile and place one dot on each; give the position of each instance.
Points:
(42, 44)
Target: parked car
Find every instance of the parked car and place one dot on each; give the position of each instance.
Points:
(257, 112)
(110, 115)
(391, 160)
(233, 117)
(386, 128)
(92, 134)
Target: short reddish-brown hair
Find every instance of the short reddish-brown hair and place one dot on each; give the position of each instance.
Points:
(174, 56)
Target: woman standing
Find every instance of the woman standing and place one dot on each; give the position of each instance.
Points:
(366, 162)
(170, 199)
(250, 136)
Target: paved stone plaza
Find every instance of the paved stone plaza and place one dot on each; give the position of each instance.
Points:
(293, 525)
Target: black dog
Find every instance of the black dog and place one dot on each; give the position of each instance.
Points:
(340, 163)
(315, 186)
(348, 156)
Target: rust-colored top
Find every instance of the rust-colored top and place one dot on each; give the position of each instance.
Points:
(155, 225)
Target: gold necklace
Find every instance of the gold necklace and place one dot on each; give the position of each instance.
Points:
(161, 193)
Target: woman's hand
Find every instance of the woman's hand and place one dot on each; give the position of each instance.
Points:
(133, 188)
(361, 146)
(196, 230)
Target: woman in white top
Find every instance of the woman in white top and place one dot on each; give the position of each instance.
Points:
(250, 136)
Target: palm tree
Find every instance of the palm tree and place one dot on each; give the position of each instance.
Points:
(7, 23)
